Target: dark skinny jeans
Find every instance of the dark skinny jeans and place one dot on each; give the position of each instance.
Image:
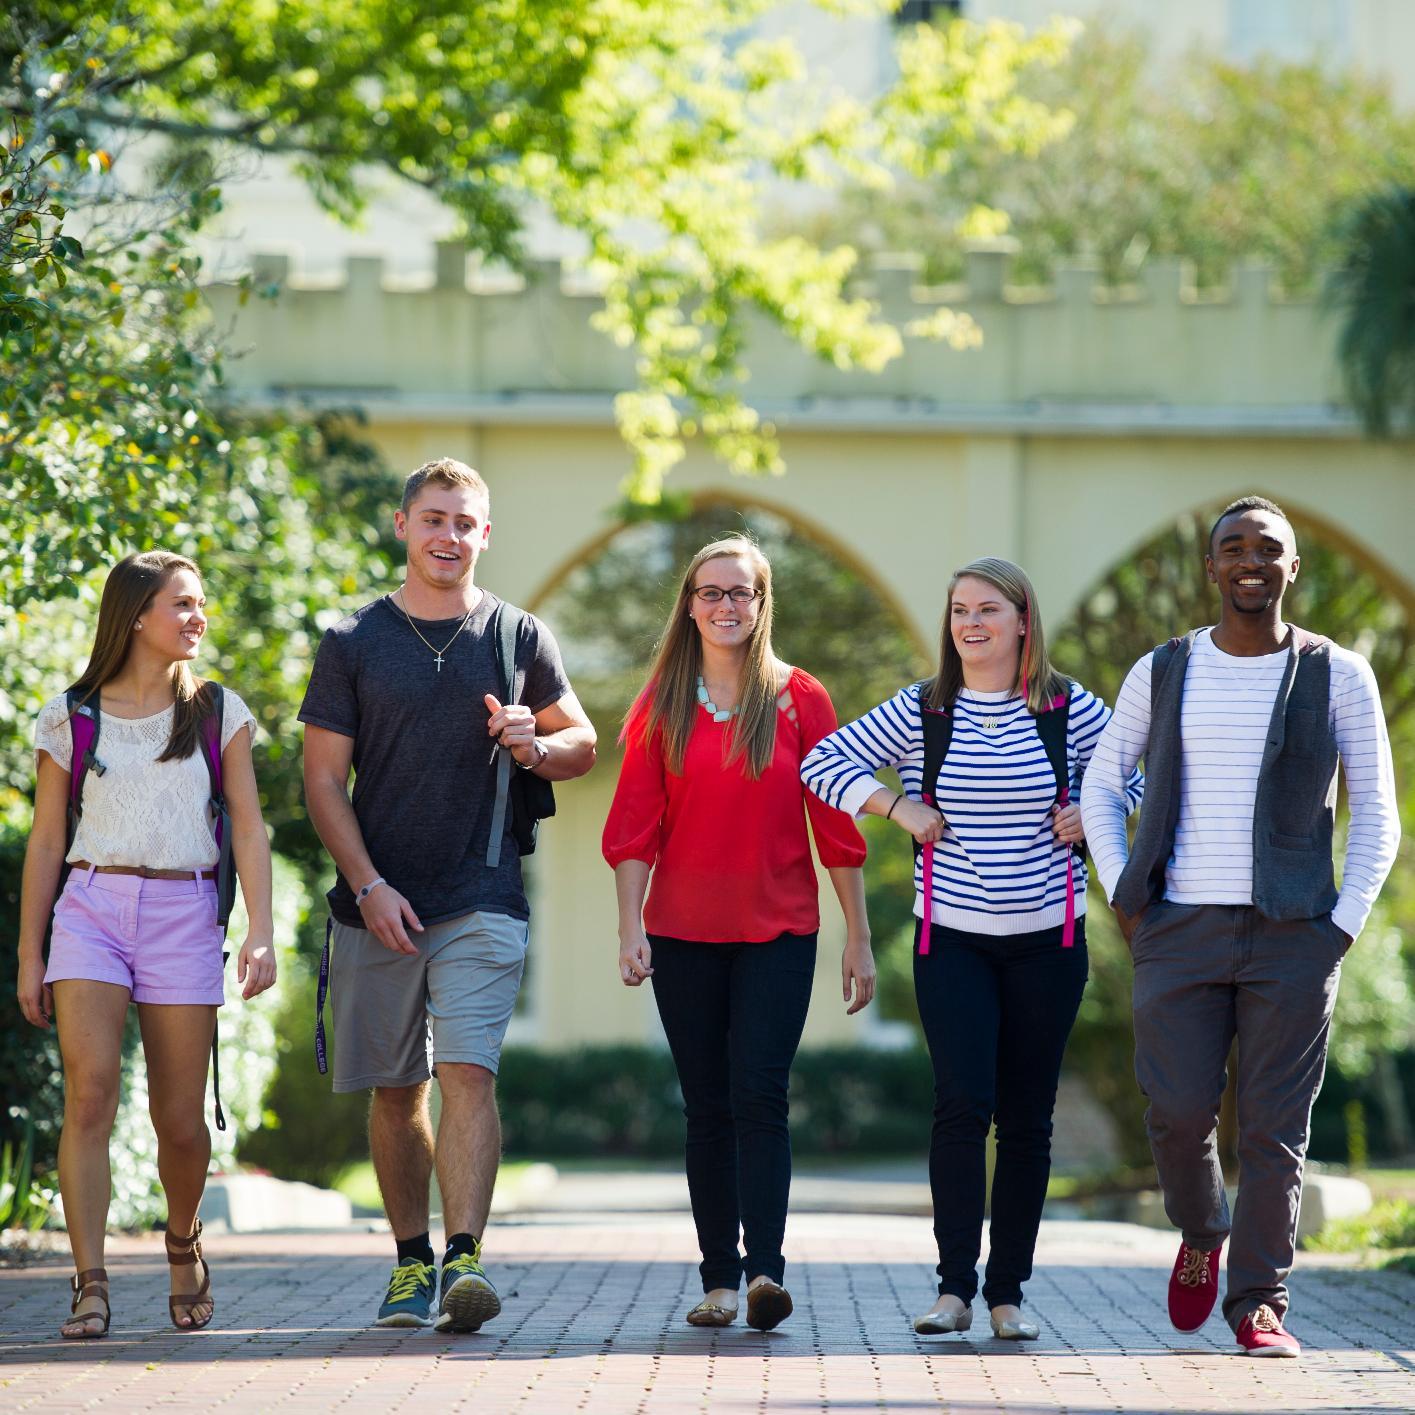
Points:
(996, 1012)
(733, 1014)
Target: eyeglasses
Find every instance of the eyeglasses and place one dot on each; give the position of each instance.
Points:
(710, 594)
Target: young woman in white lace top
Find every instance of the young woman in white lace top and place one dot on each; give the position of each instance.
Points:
(137, 919)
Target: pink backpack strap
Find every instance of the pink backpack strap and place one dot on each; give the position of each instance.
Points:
(83, 742)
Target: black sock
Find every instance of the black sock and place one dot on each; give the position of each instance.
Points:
(459, 1244)
(419, 1247)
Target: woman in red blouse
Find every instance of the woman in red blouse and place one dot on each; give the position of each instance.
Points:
(710, 802)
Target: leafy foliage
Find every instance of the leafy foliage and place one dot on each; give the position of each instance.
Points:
(648, 128)
(106, 365)
(1374, 289)
(1203, 159)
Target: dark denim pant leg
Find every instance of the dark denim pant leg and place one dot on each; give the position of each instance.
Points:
(1041, 992)
(1185, 1021)
(958, 988)
(692, 985)
(771, 993)
(1287, 984)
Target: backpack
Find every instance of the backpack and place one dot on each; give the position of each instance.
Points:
(84, 727)
(938, 736)
(530, 798)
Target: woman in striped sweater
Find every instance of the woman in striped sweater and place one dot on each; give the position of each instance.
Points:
(1000, 958)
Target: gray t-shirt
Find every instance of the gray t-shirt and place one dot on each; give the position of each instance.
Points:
(425, 775)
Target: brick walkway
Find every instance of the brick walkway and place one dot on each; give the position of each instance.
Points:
(593, 1323)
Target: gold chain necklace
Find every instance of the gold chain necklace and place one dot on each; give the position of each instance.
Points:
(438, 651)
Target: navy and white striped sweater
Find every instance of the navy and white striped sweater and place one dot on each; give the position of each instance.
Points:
(997, 868)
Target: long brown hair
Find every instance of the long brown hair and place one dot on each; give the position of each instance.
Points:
(132, 585)
(669, 701)
(1043, 682)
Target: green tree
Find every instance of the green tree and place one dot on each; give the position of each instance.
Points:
(648, 128)
(1373, 288)
(106, 365)
(1206, 160)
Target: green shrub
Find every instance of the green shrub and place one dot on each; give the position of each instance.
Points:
(31, 1085)
(624, 1100)
(25, 1201)
(1389, 1224)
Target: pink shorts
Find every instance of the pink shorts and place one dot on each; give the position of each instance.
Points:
(156, 937)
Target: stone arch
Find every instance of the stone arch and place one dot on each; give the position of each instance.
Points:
(1128, 605)
(573, 894)
(734, 500)
(1349, 540)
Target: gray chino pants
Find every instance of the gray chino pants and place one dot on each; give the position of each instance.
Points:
(1203, 975)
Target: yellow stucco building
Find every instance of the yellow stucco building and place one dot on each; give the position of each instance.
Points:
(1086, 423)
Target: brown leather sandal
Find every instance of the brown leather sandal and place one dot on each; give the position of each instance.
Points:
(184, 1252)
(86, 1285)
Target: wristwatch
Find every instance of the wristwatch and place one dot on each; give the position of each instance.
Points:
(542, 752)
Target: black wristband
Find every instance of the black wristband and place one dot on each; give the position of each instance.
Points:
(892, 805)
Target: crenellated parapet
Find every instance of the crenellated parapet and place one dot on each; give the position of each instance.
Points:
(1077, 356)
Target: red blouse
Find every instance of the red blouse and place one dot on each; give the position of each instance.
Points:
(732, 861)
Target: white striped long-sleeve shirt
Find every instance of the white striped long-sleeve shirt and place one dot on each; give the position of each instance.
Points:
(997, 869)
(1228, 704)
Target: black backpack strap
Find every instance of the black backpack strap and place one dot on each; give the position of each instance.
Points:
(938, 737)
(321, 1052)
(505, 627)
(937, 726)
(211, 728)
(1051, 728)
(508, 631)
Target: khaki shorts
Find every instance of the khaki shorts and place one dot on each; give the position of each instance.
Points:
(397, 1015)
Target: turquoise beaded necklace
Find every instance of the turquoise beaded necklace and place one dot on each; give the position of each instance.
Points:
(718, 714)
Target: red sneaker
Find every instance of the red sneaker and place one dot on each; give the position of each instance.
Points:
(1193, 1287)
(1261, 1334)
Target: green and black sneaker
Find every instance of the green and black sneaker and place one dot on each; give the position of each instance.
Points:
(408, 1301)
(468, 1298)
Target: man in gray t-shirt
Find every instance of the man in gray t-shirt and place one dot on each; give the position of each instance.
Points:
(429, 918)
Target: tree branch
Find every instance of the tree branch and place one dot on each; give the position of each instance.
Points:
(246, 134)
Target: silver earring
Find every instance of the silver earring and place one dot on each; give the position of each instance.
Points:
(138, 625)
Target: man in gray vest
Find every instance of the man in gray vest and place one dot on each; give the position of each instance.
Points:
(1229, 904)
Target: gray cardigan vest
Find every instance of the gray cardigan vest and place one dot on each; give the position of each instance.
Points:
(1295, 807)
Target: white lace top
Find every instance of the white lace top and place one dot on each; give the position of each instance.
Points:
(141, 811)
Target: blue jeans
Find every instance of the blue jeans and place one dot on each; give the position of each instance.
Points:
(733, 1014)
(996, 1012)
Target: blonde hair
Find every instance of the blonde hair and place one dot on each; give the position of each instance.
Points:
(132, 585)
(445, 471)
(668, 703)
(1042, 682)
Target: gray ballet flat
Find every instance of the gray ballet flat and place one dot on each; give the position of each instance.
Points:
(1020, 1330)
(941, 1323)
